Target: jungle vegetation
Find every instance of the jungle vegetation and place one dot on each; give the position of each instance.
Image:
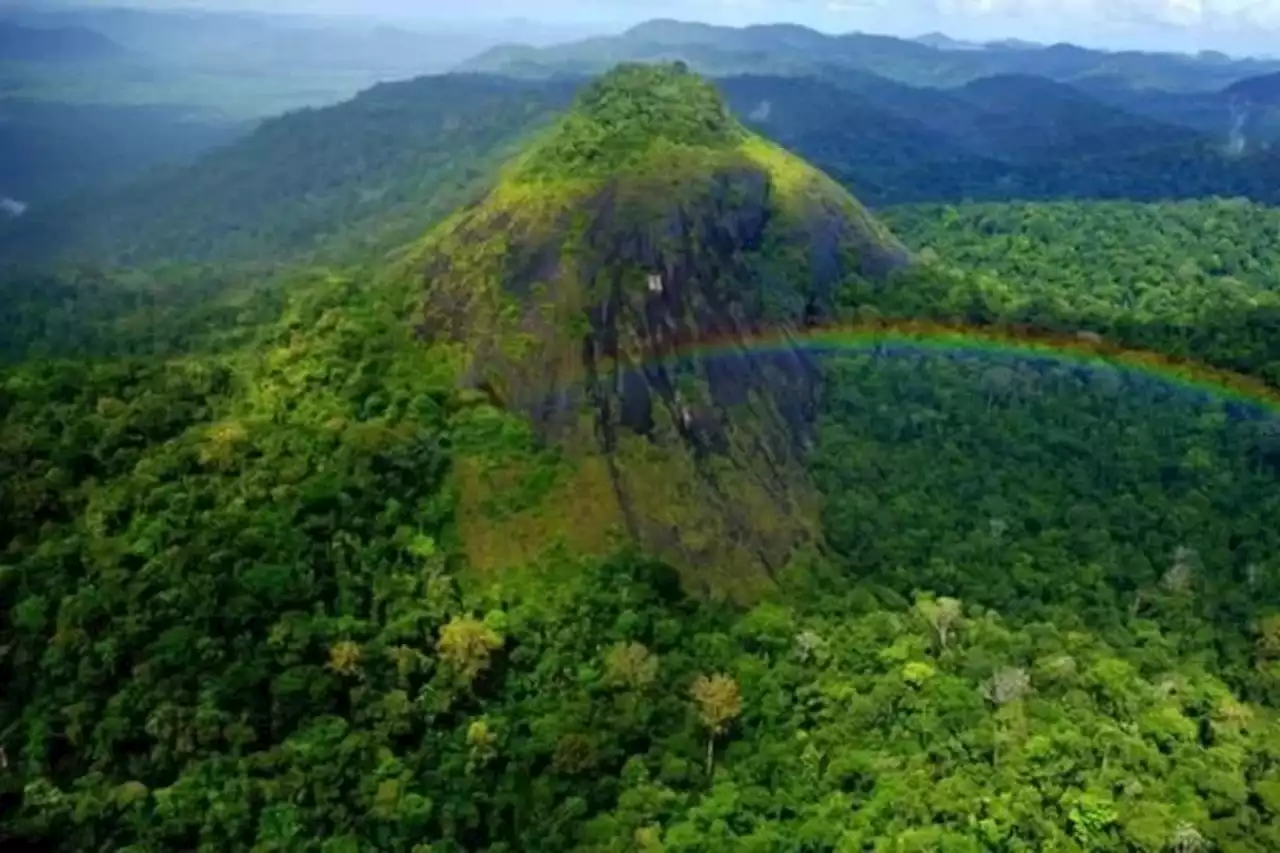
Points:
(238, 610)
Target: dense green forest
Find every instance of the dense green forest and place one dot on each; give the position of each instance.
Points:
(1194, 279)
(240, 603)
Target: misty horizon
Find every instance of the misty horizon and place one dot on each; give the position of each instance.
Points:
(1184, 26)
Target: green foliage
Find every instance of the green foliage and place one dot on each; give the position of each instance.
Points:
(165, 310)
(619, 116)
(1191, 279)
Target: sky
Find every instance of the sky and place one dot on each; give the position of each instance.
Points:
(1233, 26)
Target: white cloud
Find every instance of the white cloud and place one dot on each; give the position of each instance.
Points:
(1182, 12)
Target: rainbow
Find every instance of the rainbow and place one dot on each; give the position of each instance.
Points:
(1024, 342)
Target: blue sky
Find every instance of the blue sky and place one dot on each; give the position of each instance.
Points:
(1236, 26)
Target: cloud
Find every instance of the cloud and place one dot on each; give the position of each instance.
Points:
(1173, 12)
(1181, 12)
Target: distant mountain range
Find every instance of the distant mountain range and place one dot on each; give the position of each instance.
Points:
(399, 154)
(1037, 122)
(20, 43)
(932, 60)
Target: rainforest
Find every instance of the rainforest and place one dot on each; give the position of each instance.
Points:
(696, 439)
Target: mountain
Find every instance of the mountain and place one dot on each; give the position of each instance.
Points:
(203, 37)
(790, 49)
(57, 44)
(1013, 44)
(609, 288)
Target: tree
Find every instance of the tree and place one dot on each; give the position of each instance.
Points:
(1268, 643)
(631, 665)
(467, 645)
(1006, 685)
(944, 615)
(719, 703)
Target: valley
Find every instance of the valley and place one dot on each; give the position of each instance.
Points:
(693, 439)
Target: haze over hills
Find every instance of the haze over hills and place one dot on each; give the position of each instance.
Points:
(60, 44)
(134, 89)
(1263, 90)
(264, 64)
(239, 64)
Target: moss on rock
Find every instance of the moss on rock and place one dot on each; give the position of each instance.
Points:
(610, 292)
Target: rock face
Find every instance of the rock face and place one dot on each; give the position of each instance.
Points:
(632, 289)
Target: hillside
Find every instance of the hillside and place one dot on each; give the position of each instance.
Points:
(789, 49)
(645, 227)
(394, 159)
(1263, 90)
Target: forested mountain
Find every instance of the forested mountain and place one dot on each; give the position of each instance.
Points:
(490, 464)
(790, 49)
(401, 155)
(393, 160)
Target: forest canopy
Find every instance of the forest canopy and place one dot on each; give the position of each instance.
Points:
(238, 610)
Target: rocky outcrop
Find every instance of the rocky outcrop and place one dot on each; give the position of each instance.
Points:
(642, 320)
